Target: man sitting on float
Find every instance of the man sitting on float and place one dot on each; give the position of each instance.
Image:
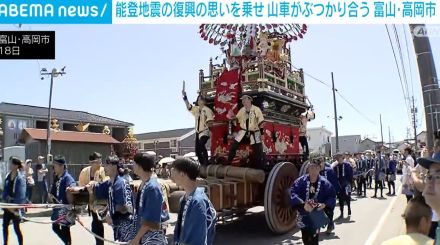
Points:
(250, 119)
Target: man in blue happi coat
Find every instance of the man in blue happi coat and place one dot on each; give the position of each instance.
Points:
(329, 174)
(62, 182)
(370, 165)
(344, 173)
(379, 174)
(197, 217)
(14, 191)
(362, 168)
(391, 174)
(118, 193)
(311, 193)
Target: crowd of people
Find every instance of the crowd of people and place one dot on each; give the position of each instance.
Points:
(141, 218)
(136, 217)
(325, 181)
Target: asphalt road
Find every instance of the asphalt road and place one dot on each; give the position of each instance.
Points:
(372, 221)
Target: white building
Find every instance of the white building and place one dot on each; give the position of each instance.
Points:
(369, 144)
(347, 143)
(319, 140)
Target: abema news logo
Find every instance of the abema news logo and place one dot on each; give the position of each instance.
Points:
(56, 11)
(427, 31)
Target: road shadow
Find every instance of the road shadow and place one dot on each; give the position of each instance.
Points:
(346, 220)
(253, 225)
(361, 197)
(324, 236)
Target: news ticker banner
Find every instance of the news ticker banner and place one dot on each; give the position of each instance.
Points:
(221, 11)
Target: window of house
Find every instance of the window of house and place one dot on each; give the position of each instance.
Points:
(95, 129)
(173, 143)
(41, 124)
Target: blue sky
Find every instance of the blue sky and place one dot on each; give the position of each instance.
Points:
(135, 72)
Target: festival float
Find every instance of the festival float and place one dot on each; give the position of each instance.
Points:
(257, 63)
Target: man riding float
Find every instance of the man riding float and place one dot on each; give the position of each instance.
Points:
(204, 116)
(251, 121)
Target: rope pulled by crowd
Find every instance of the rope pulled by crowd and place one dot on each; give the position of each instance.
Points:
(98, 236)
(30, 205)
(70, 217)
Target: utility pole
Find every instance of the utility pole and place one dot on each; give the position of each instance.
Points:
(52, 74)
(389, 138)
(336, 115)
(428, 80)
(414, 122)
(381, 132)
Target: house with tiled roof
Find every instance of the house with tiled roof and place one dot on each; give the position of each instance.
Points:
(77, 132)
(169, 143)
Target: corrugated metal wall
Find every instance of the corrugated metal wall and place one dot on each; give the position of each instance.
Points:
(76, 154)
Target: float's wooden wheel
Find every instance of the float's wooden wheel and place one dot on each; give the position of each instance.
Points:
(280, 217)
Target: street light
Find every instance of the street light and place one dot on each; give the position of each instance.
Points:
(52, 74)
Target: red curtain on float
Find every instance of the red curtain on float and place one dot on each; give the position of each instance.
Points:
(228, 87)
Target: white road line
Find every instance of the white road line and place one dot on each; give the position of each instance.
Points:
(373, 236)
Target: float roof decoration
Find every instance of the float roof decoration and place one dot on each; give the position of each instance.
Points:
(220, 33)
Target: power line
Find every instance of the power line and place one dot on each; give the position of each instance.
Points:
(402, 61)
(318, 80)
(405, 77)
(340, 94)
(352, 106)
(409, 59)
(398, 70)
(412, 110)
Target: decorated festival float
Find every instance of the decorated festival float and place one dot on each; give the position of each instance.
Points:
(258, 64)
